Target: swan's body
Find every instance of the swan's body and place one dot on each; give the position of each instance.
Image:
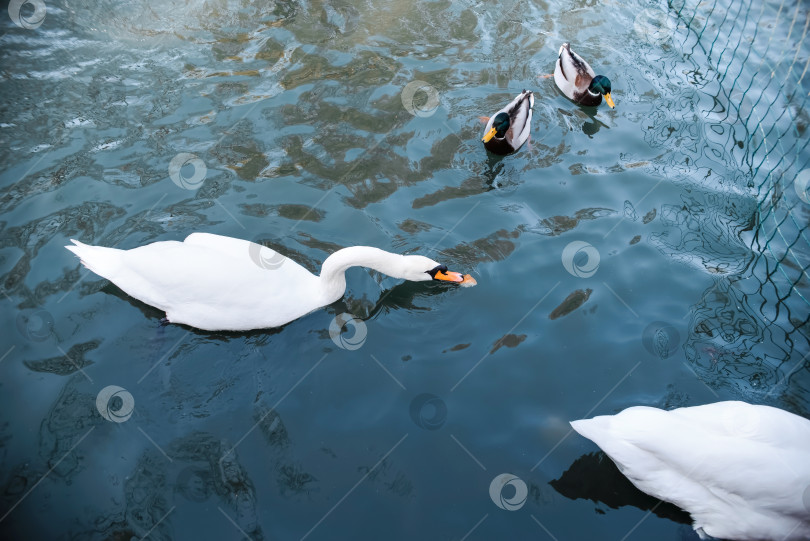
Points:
(509, 128)
(577, 80)
(221, 283)
(741, 471)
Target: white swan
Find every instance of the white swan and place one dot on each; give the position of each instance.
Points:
(741, 471)
(218, 283)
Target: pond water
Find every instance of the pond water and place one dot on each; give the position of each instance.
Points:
(619, 259)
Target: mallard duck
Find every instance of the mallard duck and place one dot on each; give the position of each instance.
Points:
(577, 80)
(741, 471)
(509, 128)
(218, 283)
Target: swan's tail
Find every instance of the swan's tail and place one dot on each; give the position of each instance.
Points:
(594, 429)
(103, 261)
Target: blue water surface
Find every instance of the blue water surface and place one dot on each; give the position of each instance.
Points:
(616, 257)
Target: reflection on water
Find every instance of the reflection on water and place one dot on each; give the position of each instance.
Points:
(723, 347)
(595, 477)
(67, 363)
(704, 230)
(747, 332)
(194, 475)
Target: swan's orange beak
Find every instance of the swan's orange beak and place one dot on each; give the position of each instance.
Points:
(490, 134)
(457, 277)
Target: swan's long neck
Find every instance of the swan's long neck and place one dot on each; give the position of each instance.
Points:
(333, 278)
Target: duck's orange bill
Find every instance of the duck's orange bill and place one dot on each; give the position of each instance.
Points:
(490, 134)
(609, 100)
(456, 277)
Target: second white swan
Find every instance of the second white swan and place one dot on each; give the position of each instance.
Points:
(742, 471)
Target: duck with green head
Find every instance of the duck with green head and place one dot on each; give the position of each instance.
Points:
(509, 128)
(577, 80)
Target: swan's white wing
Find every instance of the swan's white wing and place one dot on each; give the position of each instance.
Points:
(740, 470)
(236, 248)
(209, 282)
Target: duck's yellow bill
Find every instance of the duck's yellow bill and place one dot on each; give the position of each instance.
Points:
(490, 134)
(609, 100)
(457, 277)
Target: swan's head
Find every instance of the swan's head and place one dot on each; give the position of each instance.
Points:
(419, 268)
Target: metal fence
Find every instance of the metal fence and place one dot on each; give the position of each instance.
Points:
(750, 62)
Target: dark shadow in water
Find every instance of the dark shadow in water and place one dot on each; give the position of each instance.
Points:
(155, 315)
(405, 294)
(595, 477)
(591, 127)
(495, 167)
(401, 296)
